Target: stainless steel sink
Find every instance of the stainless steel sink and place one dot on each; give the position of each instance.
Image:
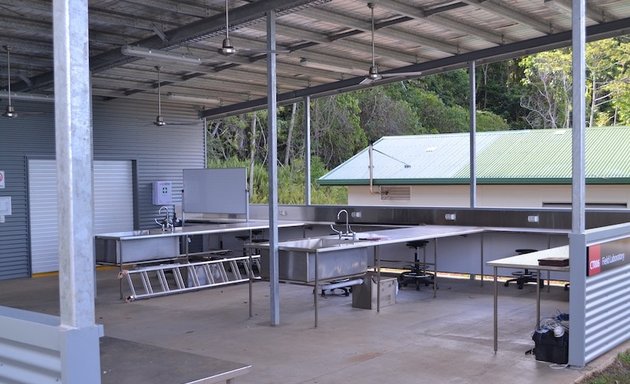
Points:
(336, 258)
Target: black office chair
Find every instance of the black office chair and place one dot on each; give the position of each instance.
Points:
(418, 273)
(525, 276)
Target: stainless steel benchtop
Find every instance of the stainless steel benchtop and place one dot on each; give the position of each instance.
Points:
(376, 238)
(197, 229)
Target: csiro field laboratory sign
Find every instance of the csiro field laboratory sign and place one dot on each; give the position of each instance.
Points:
(606, 256)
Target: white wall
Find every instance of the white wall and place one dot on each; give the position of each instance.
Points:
(493, 195)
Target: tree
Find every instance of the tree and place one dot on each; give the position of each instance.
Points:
(548, 85)
(548, 81)
(384, 115)
(336, 129)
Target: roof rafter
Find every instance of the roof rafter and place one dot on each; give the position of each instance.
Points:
(495, 6)
(417, 13)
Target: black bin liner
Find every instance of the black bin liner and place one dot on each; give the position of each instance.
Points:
(551, 348)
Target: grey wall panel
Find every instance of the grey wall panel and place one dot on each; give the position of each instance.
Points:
(607, 323)
(19, 138)
(123, 130)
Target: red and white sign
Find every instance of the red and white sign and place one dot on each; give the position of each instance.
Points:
(1, 179)
(594, 260)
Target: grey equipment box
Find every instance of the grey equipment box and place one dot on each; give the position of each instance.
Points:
(364, 295)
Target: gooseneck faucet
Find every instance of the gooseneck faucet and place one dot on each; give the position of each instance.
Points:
(348, 233)
(166, 222)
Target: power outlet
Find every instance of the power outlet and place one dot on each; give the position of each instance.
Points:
(533, 219)
(356, 214)
(450, 217)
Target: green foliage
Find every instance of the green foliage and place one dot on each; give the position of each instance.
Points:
(385, 115)
(616, 373)
(499, 90)
(452, 87)
(548, 82)
(488, 121)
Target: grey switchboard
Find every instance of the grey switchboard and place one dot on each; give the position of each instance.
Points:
(220, 190)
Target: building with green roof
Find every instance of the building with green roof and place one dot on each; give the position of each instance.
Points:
(530, 168)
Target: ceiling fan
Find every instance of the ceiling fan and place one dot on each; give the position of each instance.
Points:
(373, 73)
(10, 111)
(159, 119)
(227, 49)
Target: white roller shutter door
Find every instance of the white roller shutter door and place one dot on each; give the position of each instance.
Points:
(113, 206)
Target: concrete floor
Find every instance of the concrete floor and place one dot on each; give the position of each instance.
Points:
(418, 340)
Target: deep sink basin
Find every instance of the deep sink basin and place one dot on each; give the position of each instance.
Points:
(336, 258)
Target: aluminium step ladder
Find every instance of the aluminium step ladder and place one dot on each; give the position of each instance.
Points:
(168, 279)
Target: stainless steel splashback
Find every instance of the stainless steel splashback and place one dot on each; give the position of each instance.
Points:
(550, 218)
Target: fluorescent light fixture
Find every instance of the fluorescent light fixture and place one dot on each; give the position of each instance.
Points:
(27, 97)
(329, 67)
(156, 54)
(193, 99)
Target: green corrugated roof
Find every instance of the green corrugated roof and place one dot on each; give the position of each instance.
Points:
(505, 157)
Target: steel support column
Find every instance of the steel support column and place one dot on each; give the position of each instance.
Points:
(73, 136)
(473, 133)
(307, 150)
(577, 240)
(272, 109)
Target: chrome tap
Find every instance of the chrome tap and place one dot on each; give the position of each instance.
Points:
(348, 233)
(166, 222)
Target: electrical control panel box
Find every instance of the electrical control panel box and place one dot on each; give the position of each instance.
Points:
(162, 192)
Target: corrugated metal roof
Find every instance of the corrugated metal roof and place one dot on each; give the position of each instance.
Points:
(532, 156)
(329, 43)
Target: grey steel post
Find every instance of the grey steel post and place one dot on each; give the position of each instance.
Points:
(307, 150)
(73, 135)
(473, 131)
(272, 109)
(577, 240)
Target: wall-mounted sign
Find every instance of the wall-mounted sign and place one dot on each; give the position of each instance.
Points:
(606, 256)
(1, 179)
(5, 205)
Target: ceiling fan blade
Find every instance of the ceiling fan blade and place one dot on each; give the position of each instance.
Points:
(367, 80)
(402, 74)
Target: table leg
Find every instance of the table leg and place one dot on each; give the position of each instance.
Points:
(119, 257)
(378, 278)
(316, 291)
(251, 282)
(496, 310)
(538, 298)
(435, 252)
(481, 257)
